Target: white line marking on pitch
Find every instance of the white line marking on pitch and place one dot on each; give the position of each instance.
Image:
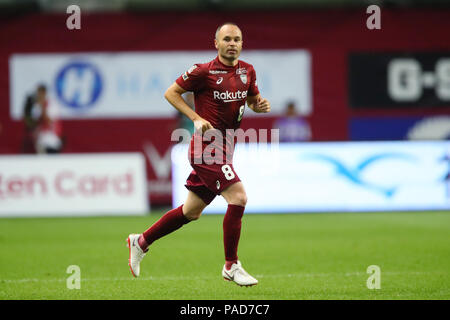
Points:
(175, 278)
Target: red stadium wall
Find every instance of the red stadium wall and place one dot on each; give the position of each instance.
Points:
(329, 36)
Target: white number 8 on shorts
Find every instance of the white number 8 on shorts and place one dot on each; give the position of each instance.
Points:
(228, 172)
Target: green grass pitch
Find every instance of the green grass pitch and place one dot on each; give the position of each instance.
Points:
(294, 256)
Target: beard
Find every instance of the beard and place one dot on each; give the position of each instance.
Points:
(230, 56)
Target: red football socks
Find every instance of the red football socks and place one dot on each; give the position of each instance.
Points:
(175, 219)
(169, 222)
(142, 243)
(231, 233)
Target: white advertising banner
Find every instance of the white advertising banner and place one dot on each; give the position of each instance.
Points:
(340, 176)
(73, 185)
(129, 85)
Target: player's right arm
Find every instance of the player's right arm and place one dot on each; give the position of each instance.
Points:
(174, 96)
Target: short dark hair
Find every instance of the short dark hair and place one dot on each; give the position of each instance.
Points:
(225, 24)
(42, 87)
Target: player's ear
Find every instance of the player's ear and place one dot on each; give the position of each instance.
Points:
(216, 44)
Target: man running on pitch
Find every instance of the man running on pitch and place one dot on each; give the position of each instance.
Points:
(221, 88)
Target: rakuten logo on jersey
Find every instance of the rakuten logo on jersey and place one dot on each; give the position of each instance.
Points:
(230, 96)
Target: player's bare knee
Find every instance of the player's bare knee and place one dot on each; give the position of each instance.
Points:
(194, 217)
(193, 214)
(239, 199)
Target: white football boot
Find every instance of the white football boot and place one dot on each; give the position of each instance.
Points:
(136, 254)
(238, 275)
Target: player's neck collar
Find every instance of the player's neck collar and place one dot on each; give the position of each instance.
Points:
(226, 66)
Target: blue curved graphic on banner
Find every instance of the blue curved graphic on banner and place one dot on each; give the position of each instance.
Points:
(354, 174)
(78, 85)
(446, 177)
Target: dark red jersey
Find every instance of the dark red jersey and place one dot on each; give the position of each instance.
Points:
(220, 94)
(220, 91)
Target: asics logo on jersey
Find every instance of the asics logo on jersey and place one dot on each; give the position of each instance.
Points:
(219, 81)
(228, 96)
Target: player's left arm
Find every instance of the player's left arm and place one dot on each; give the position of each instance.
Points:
(258, 104)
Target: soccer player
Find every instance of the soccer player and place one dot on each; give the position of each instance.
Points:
(221, 88)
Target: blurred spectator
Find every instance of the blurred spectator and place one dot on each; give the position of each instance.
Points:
(31, 115)
(42, 126)
(293, 127)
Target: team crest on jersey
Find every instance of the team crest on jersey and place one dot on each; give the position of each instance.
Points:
(244, 78)
(218, 184)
